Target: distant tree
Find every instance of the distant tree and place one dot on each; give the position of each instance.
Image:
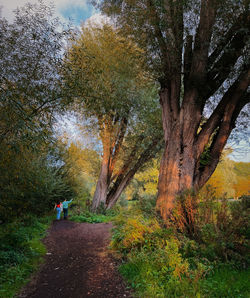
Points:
(198, 52)
(224, 177)
(106, 81)
(145, 181)
(242, 185)
(82, 166)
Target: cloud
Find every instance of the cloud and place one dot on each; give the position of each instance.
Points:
(98, 19)
(76, 10)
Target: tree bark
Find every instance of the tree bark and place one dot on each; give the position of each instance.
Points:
(100, 194)
(180, 167)
(128, 171)
(112, 135)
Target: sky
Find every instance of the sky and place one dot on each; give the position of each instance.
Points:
(76, 10)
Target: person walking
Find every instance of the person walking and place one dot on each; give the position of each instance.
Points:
(58, 206)
(65, 208)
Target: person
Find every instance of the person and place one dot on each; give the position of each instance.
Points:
(58, 206)
(65, 205)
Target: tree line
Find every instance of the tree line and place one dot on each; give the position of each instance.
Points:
(165, 78)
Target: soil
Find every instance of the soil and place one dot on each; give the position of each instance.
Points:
(77, 264)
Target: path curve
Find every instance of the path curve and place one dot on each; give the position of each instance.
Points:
(77, 264)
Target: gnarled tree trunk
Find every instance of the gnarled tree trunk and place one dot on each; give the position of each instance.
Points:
(186, 140)
(187, 136)
(112, 134)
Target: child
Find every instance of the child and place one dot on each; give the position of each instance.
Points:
(58, 206)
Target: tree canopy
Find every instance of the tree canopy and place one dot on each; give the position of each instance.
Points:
(31, 177)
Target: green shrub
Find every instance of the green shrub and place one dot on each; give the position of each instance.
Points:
(185, 256)
(154, 264)
(20, 251)
(132, 231)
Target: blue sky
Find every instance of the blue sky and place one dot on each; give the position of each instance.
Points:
(76, 13)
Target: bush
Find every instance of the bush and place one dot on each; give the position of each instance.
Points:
(220, 227)
(185, 256)
(154, 264)
(132, 231)
(20, 251)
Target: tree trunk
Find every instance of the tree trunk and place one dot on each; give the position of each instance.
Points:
(186, 140)
(118, 189)
(101, 187)
(177, 168)
(112, 133)
(127, 173)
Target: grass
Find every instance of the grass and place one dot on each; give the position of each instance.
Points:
(21, 252)
(91, 217)
(227, 282)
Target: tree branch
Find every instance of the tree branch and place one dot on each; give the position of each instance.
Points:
(223, 117)
(230, 98)
(222, 68)
(202, 41)
(241, 23)
(158, 33)
(118, 142)
(187, 58)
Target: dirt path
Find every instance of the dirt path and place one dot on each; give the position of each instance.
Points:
(77, 264)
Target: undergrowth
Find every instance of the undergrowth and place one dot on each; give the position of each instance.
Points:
(202, 251)
(21, 251)
(90, 217)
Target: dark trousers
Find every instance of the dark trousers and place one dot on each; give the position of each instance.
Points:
(65, 213)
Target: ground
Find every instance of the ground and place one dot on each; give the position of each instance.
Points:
(77, 264)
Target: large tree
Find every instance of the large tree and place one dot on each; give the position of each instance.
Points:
(108, 84)
(30, 83)
(31, 177)
(197, 50)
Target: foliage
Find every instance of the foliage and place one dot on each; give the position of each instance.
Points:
(21, 251)
(91, 217)
(202, 251)
(30, 181)
(145, 181)
(243, 178)
(31, 174)
(154, 265)
(220, 227)
(133, 234)
(104, 72)
(82, 166)
(30, 59)
(230, 179)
